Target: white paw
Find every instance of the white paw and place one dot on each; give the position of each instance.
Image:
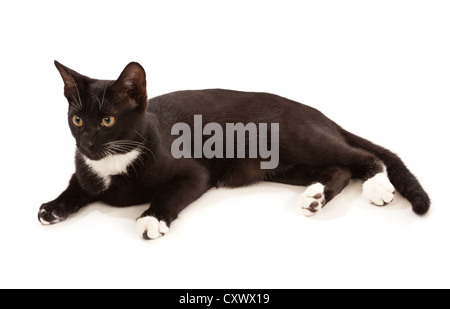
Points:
(313, 199)
(150, 228)
(378, 190)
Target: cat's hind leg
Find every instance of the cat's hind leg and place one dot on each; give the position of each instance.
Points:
(363, 165)
(324, 183)
(330, 182)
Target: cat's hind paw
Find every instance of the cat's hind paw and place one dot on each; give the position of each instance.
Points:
(313, 199)
(149, 227)
(378, 190)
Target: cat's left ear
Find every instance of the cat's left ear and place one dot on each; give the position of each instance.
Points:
(132, 84)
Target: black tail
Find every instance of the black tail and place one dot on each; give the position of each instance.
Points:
(399, 175)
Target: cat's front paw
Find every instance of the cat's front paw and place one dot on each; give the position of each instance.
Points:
(149, 227)
(313, 199)
(49, 213)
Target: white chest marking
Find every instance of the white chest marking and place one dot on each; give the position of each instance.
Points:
(112, 165)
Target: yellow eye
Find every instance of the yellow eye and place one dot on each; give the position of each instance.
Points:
(108, 121)
(77, 121)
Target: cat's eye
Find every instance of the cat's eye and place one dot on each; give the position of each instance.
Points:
(108, 121)
(77, 121)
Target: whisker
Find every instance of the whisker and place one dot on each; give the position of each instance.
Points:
(77, 104)
(103, 98)
(123, 141)
(98, 100)
(122, 146)
(147, 148)
(140, 135)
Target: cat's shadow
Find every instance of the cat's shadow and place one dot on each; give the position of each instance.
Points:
(127, 213)
(337, 208)
(348, 199)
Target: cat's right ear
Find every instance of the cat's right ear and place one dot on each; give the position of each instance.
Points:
(131, 85)
(72, 81)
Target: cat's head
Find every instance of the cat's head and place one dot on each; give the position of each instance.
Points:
(106, 117)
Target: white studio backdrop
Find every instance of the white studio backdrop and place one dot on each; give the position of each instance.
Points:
(378, 68)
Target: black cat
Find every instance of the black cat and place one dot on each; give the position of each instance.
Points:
(126, 144)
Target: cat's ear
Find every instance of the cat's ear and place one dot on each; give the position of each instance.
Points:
(72, 81)
(132, 83)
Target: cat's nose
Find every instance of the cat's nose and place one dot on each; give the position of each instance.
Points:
(87, 145)
(87, 142)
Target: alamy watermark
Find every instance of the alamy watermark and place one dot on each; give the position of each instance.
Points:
(229, 142)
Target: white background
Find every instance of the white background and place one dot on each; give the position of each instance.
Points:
(381, 69)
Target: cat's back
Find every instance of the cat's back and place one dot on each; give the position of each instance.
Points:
(222, 106)
(208, 100)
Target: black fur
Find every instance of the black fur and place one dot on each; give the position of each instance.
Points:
(400, 176)
(312, 148)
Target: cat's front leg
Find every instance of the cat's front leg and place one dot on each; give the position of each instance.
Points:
(170, 201)
(69, 202)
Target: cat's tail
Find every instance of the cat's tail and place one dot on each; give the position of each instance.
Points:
(399, 175)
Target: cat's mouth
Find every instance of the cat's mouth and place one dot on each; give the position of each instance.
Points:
(95, 157)
(91, 154)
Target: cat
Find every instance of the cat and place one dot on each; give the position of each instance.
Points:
(125, 144)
